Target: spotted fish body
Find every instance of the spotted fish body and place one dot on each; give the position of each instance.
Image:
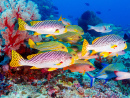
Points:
(53, 59)
(43, 27)
(106, 44)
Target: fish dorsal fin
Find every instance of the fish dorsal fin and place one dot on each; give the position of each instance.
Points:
(39, 43)
(32, 55)
(60, 19)
(95, 40)
(84, 47)
(34, 22)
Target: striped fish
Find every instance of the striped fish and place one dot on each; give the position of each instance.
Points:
(106, 44)
(53, 27)
(52, 60)
(75, 28)
(48, 46)
(70, 37)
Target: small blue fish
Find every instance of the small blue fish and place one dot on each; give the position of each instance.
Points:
(107, 72)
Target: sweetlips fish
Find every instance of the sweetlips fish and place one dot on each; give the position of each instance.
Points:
(122, 75)
(75, 28)
(51, 60)
(70, 37)
(107, 72)
(80, 66)
(48, 46)
(65, 21)
(51, 27)
(103, 27)
(105, 44)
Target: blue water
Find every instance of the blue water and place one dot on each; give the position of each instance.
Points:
(112, 11)
(19, 81)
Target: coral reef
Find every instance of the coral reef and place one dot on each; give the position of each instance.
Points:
(13, 39)
(89, 18)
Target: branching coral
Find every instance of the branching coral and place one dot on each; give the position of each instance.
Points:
(10, 11)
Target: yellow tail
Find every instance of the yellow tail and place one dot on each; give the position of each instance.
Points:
(84, 47)
(16, 58)
(31, 43)
(22, 25)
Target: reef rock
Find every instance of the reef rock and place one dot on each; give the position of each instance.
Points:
(89, 18)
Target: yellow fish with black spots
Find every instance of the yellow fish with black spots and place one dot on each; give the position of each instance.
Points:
(50, 27)
(106, 45)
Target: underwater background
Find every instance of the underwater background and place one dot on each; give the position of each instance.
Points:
(64, 49)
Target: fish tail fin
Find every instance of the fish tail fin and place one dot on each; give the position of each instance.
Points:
(16, 59)
(120, 75)
(91, 78)
(65, 68)
(22, 25)
(60, 19)
(84, 47)
(89, 27)
(31, 43)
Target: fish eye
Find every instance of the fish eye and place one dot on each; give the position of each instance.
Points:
(90, 66)
(63, 47)
(74, 55)
(70, 57)
(64, 26)
(79, 37)
(124, 42)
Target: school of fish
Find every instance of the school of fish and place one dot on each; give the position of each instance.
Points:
(55, 54)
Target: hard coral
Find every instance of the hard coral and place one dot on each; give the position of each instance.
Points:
(89, 18)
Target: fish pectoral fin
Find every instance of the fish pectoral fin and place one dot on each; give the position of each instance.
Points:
(51, 69)
(36, 33)
(57, 31)
(113, 46)
(106, 54)
(70, 38)
(34, 67)
(59, 63)
(49, 35)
